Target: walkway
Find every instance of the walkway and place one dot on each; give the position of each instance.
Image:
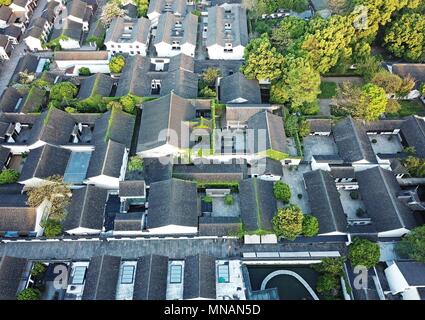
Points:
(289, 273)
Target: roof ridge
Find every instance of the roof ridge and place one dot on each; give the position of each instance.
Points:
(328, 198)
(98, 278)
(84, 204)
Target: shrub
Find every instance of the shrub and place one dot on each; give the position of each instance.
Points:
(299, 195)
(228, 199)
(310, 226)
(363, 252)
(360, 212)
(128, 104)
(282, 191)
(310, 108)
(9, 176)
(413, 245)
(374, 141)
(52, 228)
(354, 195)
(84, 71)
(38, 269)
(328, 284)
(287, 223)
(135, 164)
(29, 294)
(207, 199)
(70, 110)
(116, 64)
(334, 266)
(207, 92)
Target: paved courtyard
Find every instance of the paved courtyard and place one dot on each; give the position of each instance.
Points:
(350, 206)
(220, 209)
(318, 145)
(386, 144)
(294, 178)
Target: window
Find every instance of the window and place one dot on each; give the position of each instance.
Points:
(127, 274)
(227, 26)
(79, 275)
(112, 45)
(228, 47)
(175, 274)
(175, 45)
(223, 273)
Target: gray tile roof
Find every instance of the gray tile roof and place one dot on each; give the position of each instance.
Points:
(173, 202)
(140, 30)
(325, 203)
(413, 272)
(80, 55)
(4, 155)
(243, 111)
(320, 125)
(11, 274)
(352, 141)
(106, 159)
(27, 63)
(257, 200)
(266, 166)
(151, 278)
(164, 113)
(86, 209)
(15, 215)
(416, 70)
(177, 6)
(379, 189)
(413, 131)
(101, 278)
(5, 13)
(269, 126)
(44, 162)
(9, 100)
(12, 31)
(128, 221)
(237, 86)
(137, 77)
(211, 171)
(78, 9)
(49, 12)
(217, 18)
(154, 170)
(219, 226)
(199, 277)
(98, 84)
(167, 33)
(132, 188)
(131, 10)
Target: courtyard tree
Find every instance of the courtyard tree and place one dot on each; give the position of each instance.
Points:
(128, 104)
(415, 166)
(110, 11)
(8, 176)
(210, 75)
(135, 164)
(334, 266)
(61, 93)
(290, 30)
(29, 294)
(310, 226)
(263, 62)
(388, 81)
(287, 223)
(116, 64)
(282, 191)
(363, 252)
(328, 285)
(413, 245)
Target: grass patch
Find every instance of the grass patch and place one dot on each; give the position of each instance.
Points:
(329, 90)
(408, 108)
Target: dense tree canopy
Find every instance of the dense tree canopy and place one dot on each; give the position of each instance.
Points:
(415, 166)
(310, 226)
(287, 222)
(116, 64)
(406, 37)
(363, 252)
(110, 11)
(263, 62)
(282, 191)
(63, 91)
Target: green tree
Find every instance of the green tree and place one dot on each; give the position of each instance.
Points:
(406, 37)
(291, 125)
(38, 269)
(110, 11)
(282, 191)
(363, 252)
(407, 85)
(8, 176)
(135, 164)
(300, 83)
(290, 30)
(334, 266)
(116, 64)
(210, 75)
(328, 284)
(52, 228)
(287, 222)
(5, 2)
(304, 128)
(228, 199)
(128, 104)
(413, 244)
(310, 226)
(263, 62)
(415, 166)
(142, 7)
(83, 71)
(63, 91)
(29, 294)
(392, 106)
(388, 81)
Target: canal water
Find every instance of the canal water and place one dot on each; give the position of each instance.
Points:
(288, 286)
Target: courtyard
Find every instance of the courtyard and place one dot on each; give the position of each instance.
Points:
(318, 145)
(385, 143)
(293, 176)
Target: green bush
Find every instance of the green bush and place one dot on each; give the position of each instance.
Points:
(310, 226)
(29, 294)
(354, 195)
(135, 164)
(328, 90)
(328, 284)
(228, 199)
(83, 71)
(363, 252)
(38, 269)
(128, 104)
(9, 176)
(116, 64)
(282, 191)
(413, 245)
(207, 199)
(334, 266)
(52, 228)
(288, 222)
(299, 195)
